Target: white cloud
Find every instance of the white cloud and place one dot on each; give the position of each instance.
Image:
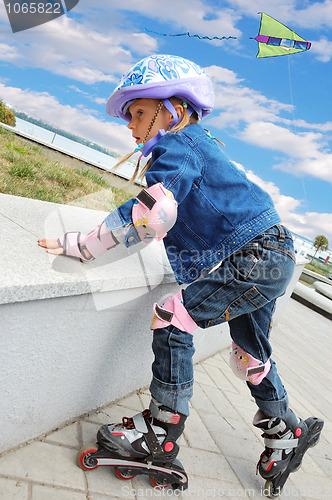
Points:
(8, 53)
(304, 149)
(201, 17)
(318, 223)
(240, 104)
(70, 49)
(311, 15)
(322, 49)
(258, 120)
(222, 75)
(308, 224)
(80, 121)
(315, 15)
(271, 136)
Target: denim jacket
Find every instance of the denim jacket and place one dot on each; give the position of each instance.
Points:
(219, 209)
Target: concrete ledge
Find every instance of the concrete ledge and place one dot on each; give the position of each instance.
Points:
(74, 336)
(313, 299)
(310, 277)
(323, 288)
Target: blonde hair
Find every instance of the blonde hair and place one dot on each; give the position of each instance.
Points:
(185, 120)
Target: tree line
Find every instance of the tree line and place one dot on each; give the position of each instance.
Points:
(7, 116)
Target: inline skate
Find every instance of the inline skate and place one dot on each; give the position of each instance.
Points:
(144, 444)
(286, 440)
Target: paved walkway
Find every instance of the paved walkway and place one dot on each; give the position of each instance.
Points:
(220, 447)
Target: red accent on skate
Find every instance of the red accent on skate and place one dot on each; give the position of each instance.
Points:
(83, 454)
(175, 419)
(168, 446)
(298, 432)
(270, 466)
(117, 434)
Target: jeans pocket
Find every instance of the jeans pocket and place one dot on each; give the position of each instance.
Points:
(245, 260)
(283, 249)
(245, 303)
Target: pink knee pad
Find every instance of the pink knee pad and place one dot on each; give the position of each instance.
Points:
(154, 212)
(247, 367)
(173, 312)
(97, 242)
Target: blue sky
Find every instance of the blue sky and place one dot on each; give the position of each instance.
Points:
(274, 114)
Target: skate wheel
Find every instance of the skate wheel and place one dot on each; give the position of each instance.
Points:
(85, 458)
(125, 476)
(161, 485)
(270, 491)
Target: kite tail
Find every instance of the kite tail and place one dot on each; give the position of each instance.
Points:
(193, 36)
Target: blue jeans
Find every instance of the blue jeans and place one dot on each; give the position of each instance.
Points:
(242, 291)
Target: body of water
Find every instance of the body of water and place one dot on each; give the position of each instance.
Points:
(73, 148)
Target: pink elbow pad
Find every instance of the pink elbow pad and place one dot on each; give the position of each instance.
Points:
(154, 212)
(97, 242)
(246, 367)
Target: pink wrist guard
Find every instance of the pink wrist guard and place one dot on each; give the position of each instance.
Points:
(97, 242)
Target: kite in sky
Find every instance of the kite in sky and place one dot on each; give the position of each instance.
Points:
(274, 38)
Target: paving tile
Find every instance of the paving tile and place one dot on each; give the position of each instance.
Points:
(237, 429)
(312, 486)
(201, 488)
(220, 379)
(206, 464)
(13, 490)
(111, 414)
(239, 447)
(197, 435)
(242, 402)
(201, 401)
(48, 493)
(132, 402)
(201, 377)
(67, 436)
(199, 368)
(102, 481)
(226, 406)
(220, 447)
(89, 432)
(215, 361)
(142, 488)
(127, 493)
(45, 463)
(253, 484)
(321, 451)
(318, 467)
(145, 401)
(324, 464)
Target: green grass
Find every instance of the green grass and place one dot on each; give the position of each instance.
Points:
(26, 171)
(319, 268)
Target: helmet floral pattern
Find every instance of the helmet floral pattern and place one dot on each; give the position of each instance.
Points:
(162, 66)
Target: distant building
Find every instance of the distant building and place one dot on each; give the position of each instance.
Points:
(305, 248)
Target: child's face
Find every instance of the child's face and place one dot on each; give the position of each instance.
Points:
(142, 111)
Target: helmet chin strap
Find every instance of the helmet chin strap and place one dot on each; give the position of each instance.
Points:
(149, 145)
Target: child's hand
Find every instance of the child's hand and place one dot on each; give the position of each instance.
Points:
(51, 245)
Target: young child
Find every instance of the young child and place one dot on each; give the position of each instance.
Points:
(223, 239)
